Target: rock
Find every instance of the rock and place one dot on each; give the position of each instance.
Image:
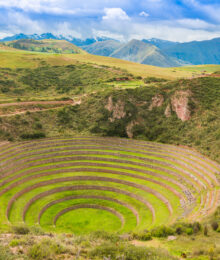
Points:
(180, 104)
(167, 112)
(157, 101)
(171, 238)
(129, 128)
(117, 109)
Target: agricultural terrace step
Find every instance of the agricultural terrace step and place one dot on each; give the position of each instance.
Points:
(85, 188)
(75, 160)
(119, 141)
(132, 209)
(153, 152)
(56, 157)
(97, 165)
(37, 176)
(140, 144)
(90, 178)
(91, 206)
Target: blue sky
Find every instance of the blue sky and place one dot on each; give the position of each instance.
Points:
(179, 20)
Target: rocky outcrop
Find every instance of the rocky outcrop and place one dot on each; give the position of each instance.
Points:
(167, 112)
(157, 101)
(117, 109)
(179, 102)
(130, 127)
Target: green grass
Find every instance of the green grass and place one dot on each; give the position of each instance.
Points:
(31, 217)
(16, 211)
(87, 220)
(16, 58)
(48, 216)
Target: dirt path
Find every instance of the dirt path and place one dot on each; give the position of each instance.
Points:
(28, 103)
(60, 103)
(30, 111)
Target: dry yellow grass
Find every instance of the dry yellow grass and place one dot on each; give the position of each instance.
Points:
(12, 58)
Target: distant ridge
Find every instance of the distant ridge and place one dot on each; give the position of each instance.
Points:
(49, 45)
(46, 36)
(103, 48)
(141, 52)
(164, 54)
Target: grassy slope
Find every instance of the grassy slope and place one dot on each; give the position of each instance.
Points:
(91, 117)
(14, 59)
(200, 132)
(51, 46)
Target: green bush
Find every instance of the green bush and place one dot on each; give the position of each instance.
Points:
(36, 135)
(105, 236)
(128, 252)
(196, 226)
(46, 249)
(206, 230)
(21, 230)
(5, 253)
(214, 225)
(189, 231)
(153, 80)
(144, 236)
(162, 231)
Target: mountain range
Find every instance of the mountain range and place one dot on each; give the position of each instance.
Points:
(153, 51)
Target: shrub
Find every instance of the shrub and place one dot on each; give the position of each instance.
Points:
(37, 135)
(105, 236)
(128, 252)
(144, 236)
(179, 230)
(46, 249)
(189, 231)
(153, 79)
(214, 225)
(205, 230)
(36, 230)
(5, 253)
(196, 227)
(21, 230)
(162, 231)
(15, 242)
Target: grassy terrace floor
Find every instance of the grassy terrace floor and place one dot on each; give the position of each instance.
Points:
(81, 184)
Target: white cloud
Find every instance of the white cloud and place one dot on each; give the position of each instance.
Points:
(211, 10)
(143, 14)
(120, 19)
(65, 29)
(169, 32)
(115, 14)
(194, 24)
(38, 6)
(5, 34)
(102, 33)
(18, 22)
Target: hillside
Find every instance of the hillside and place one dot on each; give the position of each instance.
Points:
(203, 52)
(24, 59)
(103, 48)
(138, 51)
(181, 112)
(48, 46)
(161, 44)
